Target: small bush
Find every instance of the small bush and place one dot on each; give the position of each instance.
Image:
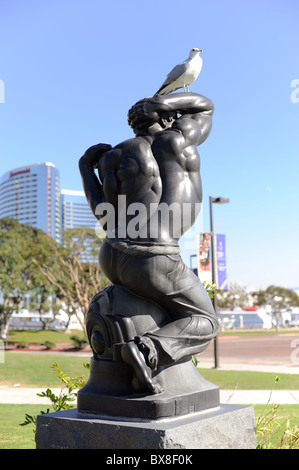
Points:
(49, 344)
(79, 343)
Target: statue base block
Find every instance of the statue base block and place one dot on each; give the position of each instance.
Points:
(225, 427)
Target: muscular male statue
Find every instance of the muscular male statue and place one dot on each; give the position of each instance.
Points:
(160, 165)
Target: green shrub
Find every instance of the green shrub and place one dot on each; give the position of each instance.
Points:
(271, 434)
(64, 400)
(49, 344)
(79, 343)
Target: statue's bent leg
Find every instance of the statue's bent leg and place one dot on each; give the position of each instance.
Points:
(166, 280)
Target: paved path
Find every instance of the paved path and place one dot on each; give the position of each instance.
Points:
(17, 396)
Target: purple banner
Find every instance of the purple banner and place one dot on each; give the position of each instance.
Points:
(221, 262)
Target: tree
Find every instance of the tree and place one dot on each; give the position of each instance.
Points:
(72, 268)
(15, 279)
(44, 299)
(32, 263)
(279, 298)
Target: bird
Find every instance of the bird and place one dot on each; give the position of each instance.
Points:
(183, 74)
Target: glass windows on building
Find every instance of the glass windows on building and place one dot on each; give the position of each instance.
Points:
(32, 195)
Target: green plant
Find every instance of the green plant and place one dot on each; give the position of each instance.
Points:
(63, 401)
(79, 343)
(268, 427)
(49, 344)
(211, 288)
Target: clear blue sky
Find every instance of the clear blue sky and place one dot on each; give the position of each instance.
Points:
(73, 68)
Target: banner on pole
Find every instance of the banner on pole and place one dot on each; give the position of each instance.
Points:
(204, 258)
(221, 262)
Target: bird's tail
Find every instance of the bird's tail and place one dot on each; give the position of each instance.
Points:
(160, 92)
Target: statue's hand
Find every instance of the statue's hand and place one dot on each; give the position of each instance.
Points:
(93, 154)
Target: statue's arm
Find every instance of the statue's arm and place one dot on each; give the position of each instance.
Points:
(184, 103)
(181, 103)
(92, 187)
(196, 113)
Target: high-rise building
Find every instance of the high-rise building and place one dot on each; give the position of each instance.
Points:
(75, 210)
(31, 195)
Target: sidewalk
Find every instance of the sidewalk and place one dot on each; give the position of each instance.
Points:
(274, 369)
(22, 395)
(18, 396)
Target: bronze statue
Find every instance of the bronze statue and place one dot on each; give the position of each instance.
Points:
(157, 169)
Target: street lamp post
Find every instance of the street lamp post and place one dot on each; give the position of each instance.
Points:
(216, 200)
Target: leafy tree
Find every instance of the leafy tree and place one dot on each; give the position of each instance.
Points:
(43, 299)
(16, 241)
(279, 298)
(32, 263)
(72, 268)
(230, 300)
(288, 296)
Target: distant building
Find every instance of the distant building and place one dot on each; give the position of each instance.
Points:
(31, 195)
(246, 317)
(75, 210)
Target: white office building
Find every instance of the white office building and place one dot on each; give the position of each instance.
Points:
(31, 195)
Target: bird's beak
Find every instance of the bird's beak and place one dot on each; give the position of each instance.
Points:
(200, 50)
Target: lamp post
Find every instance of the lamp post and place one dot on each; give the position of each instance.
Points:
(216, 200)
(191, 258)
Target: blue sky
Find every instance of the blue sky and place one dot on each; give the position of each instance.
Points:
(73, 68)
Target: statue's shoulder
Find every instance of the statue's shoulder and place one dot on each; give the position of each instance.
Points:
(137, 148)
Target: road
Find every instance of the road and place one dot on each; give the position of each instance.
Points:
(277, 351)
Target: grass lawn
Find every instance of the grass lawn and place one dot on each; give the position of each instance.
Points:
(34, 370)
(40, 336)
(12, 435)
(250, 380)
(279, 421)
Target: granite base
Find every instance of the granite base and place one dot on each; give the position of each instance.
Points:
(225, 427)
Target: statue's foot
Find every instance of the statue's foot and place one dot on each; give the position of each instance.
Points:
(143, 375)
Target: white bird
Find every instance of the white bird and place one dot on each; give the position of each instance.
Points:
(183, 74)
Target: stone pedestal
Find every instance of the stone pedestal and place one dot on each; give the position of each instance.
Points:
(224, 427)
